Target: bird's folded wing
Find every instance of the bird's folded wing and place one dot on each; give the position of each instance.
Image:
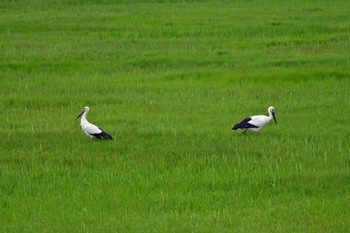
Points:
(258, 120)
(92, 129)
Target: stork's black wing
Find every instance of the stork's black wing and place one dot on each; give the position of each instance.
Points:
(244, 124)
(103, 135)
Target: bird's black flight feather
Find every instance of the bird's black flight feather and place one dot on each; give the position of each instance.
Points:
(244, 124)
(103, 135)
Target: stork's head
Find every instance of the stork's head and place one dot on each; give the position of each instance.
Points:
(85, 109)
(272, 112)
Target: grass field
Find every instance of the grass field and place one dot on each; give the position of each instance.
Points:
(168, 79)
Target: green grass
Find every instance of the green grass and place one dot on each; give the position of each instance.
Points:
(168, 79)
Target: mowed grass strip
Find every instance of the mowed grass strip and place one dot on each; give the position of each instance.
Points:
(168, 80)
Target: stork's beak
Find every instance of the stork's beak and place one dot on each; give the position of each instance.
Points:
(80, 114)
(274, 117)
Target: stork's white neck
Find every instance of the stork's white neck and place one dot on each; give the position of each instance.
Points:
(270, 115)
(83, 119)
(269, 118)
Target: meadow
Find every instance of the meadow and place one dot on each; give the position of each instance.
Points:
(168, 80)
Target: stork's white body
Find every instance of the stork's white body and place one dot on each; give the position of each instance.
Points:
(88, 128)
(256, 123)
(91, 130)
(259, 121)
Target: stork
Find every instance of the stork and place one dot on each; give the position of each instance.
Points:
(91, 130)
(255, 123)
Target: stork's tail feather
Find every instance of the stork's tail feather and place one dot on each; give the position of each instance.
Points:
(103, 136)
(106, 136)
(235, 127)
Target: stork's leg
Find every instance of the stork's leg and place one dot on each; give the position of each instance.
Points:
(244, 131)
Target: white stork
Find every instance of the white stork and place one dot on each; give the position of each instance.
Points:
(91, 130)
(255, 123)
